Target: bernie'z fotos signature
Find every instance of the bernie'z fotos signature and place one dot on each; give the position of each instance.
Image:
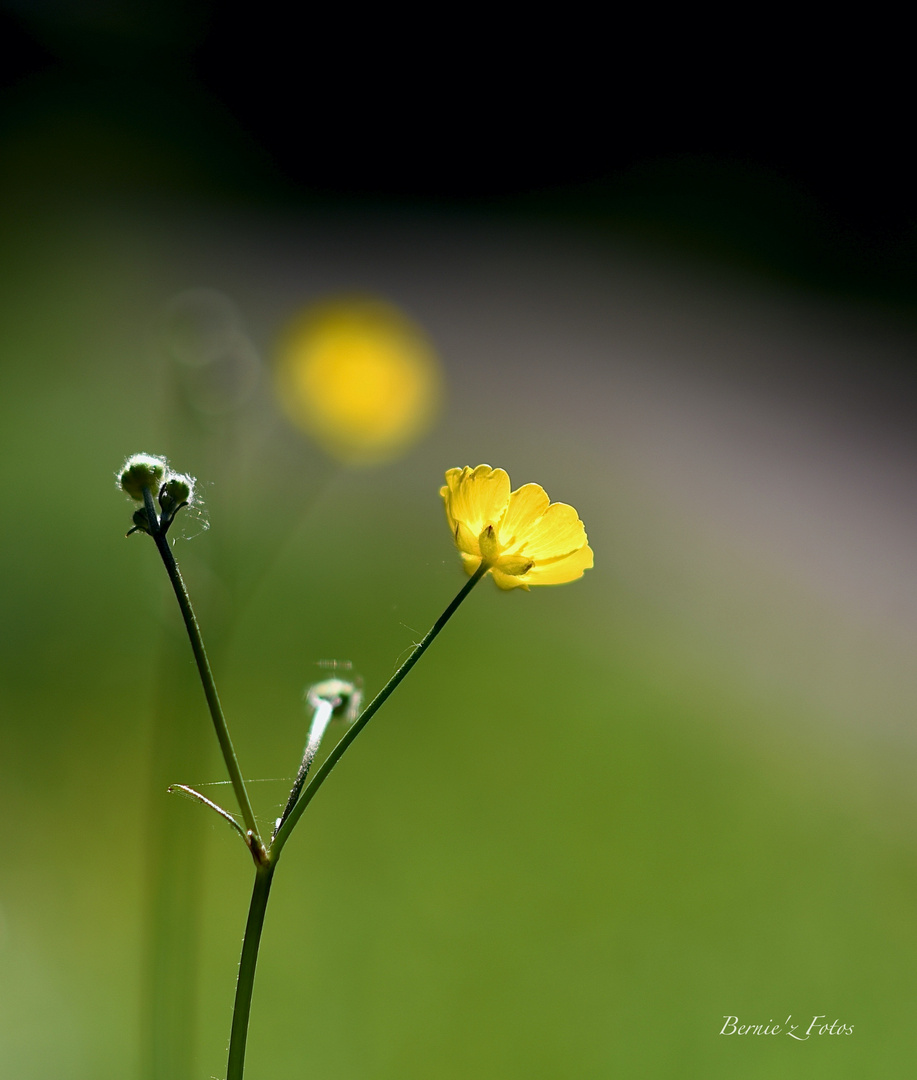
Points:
(817, 1027)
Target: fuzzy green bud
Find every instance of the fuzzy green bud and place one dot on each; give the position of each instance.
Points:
(179, 488)
(142, 471)
(177, 492)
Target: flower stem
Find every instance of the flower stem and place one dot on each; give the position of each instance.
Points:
(242, 1006)
(203, 667)
(368, 713)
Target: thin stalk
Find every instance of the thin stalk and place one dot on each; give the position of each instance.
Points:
(203, 667)
(245, 983)
(368, 713)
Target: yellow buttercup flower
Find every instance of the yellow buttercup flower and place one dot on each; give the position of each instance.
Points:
(523, 537)
(359, 377)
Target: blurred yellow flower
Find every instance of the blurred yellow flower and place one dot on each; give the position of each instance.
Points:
(523, 537)
(359, 377)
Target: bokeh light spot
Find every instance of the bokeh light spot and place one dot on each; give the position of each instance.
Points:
(359, 377)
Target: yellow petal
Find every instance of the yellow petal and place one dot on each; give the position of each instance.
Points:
(466, 541)
(526, 505)
(444, 495)
(476, 497)
(557, 532)
(453, 480)
(561, 570)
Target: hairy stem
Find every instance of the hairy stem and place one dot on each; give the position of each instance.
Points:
(320, 721)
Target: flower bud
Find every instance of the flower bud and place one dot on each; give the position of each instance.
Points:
(176, 492)
(180, 487)
(344, 697)
(142, 471)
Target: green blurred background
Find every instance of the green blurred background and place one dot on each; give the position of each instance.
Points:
(596, 820)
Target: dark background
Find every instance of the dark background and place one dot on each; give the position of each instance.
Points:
(777, 146)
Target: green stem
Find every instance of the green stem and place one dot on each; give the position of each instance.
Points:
(264, 875)
(203, 667)
(368, 713)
